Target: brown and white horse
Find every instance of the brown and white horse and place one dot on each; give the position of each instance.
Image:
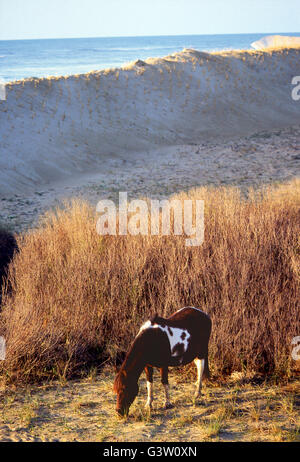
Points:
(175, 341)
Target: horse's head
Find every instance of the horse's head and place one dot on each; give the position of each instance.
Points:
(126, 389)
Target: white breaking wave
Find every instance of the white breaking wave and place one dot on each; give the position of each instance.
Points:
(276, 41)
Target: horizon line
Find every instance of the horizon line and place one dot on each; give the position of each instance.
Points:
(140, 36)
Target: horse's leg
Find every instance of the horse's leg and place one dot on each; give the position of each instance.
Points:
(200, 368)
(164, 380)
(149, 376)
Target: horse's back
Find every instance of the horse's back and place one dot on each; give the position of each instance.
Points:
(176, 340)
(198, 324)
(191, 318)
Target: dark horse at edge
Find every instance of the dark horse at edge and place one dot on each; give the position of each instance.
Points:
(174, 341)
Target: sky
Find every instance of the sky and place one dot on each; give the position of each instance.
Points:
(31, 19)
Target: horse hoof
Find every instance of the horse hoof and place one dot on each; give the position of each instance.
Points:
(169, 406)
(198, 400)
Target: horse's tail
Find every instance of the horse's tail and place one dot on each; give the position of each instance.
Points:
(206, 372)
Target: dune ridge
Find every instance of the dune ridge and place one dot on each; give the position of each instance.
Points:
(56, 127)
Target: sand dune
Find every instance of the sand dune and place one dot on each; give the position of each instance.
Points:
(54, 128)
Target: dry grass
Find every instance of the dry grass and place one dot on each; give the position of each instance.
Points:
(83, 411)
(78, 298)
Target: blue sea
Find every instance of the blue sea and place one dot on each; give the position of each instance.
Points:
(40, 58)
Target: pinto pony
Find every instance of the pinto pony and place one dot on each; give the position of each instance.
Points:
(175, 341)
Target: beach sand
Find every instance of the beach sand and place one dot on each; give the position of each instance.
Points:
(151, 128)
(262, 158)
(241, 409)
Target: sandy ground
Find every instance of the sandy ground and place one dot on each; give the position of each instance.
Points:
(261, 158)
(57, 128)
(83, 410)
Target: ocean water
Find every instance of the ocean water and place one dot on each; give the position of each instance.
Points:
(40, 58)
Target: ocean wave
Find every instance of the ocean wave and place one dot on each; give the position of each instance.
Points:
(276, 41)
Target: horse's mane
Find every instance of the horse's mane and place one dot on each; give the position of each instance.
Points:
(122, 379)
(158, 320)
(119, 382)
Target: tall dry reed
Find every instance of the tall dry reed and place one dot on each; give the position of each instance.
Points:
(78, 297)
